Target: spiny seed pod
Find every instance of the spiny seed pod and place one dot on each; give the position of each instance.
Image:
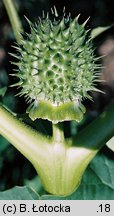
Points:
(57, 68)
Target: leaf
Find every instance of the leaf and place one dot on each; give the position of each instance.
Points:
(19, 193)
(99, 30)
(103, 167)
(3, 144)
(97, 183)
(63, 112)
(35, 184)
(87, 192)
(110, 144)
(3, 91)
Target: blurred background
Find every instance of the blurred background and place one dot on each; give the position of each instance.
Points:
(14, 168)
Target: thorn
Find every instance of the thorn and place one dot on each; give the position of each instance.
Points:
(85, 21)
(27, 99)
(99, 81)
(97, 90)
(15, 63)
(87, 31)
(102, 80)
(52, 11)
(64, 11)
(40, 20)
(30, 23)
(17, 74)
(89, 41)
(100, 57)
(13, 75)
(22, 42)
(77, 17)
(13, 55)
(36, 25)
(18, 94)
(69, 15)
(62, 24)
(55, 11)
(16, 47)
(43, 14)
(47, 15)
(90, 98)
(17, 84)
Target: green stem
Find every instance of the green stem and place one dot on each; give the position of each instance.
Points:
(98, 132)
(25, 139)
(14, 19)
(58, 133)
(60, 164)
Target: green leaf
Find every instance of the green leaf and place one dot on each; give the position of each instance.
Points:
(3, 91)
(110, 144)
(99, 30)
(97, 183)
(64, 112)
(35, 184)
(103, 168)
(19, 193)
(87, 192)
(3, 144)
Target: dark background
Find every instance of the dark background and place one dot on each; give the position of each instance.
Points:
(14, 168)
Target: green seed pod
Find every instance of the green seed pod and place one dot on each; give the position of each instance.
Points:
(57, 68)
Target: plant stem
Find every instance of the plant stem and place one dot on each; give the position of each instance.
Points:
(98, 132)
(60, 164)
(14, 19)
(58, 133)
(24, 138)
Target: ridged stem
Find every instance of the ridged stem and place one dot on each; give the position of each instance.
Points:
(24, 138)
(60, 164)
(14, 19)
(58, 133)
